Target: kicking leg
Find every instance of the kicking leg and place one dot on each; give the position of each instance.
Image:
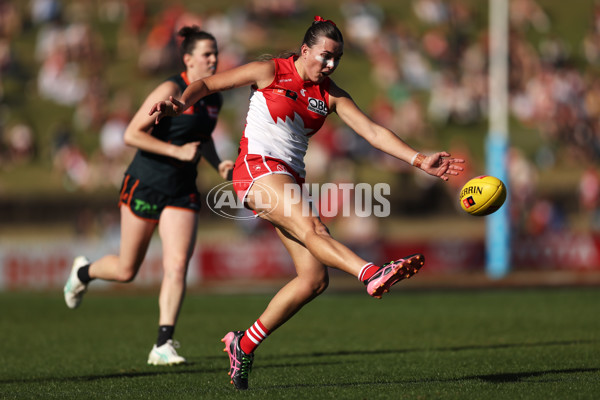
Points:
(295, 218)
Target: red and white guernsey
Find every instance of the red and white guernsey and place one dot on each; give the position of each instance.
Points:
(282, 116)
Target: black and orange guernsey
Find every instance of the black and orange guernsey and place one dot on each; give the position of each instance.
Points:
(166, 174)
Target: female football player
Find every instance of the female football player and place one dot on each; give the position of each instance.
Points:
(159, 191)
(290, 99)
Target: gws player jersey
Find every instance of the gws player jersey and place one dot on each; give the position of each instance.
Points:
(169, 175)
(282, 116)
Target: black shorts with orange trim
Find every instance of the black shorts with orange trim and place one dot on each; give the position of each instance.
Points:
(147, 203)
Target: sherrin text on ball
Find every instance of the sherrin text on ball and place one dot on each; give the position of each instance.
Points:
(482, 195)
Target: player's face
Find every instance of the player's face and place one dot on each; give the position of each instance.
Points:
(203, 60)
(322, 59)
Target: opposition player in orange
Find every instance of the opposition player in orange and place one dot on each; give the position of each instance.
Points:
(290, 99)
(159, 191)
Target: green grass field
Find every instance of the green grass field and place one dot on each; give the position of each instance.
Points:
(413, 344)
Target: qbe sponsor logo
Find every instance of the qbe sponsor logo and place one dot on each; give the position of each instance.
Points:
(317, 106)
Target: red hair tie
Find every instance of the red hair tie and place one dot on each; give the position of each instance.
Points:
(319, 19)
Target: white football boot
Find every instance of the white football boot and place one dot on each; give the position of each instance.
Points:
(165, 354)
(74, 289)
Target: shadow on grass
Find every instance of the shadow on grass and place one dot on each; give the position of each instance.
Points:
(161, 371)
(191, 369)
(433, 349)
(519, 376)
(514, 377)
(130, 374)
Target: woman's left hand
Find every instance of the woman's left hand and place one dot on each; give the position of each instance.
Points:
(442, 165)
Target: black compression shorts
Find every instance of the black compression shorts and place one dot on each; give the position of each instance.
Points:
(148, 203)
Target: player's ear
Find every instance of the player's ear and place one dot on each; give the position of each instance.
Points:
(187, 58)
(304, 50)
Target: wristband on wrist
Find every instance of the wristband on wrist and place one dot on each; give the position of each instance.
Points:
(412, 160)
(417, 160)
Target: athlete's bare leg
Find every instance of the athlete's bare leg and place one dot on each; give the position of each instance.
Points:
(135, 238)
(311, 280)
(293, 219)
(177, 229)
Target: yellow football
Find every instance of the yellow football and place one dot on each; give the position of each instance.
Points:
(482, 195)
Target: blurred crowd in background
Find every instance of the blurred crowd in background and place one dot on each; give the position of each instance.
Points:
(423, 80)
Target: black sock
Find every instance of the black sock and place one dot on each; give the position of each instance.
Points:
(165, 332)
(83, 274)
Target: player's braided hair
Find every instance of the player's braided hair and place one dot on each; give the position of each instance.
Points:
(190, 35)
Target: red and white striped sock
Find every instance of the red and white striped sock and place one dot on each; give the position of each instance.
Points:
(253, 337)
(367, 271)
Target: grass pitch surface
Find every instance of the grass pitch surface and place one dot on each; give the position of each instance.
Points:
(470, 344)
